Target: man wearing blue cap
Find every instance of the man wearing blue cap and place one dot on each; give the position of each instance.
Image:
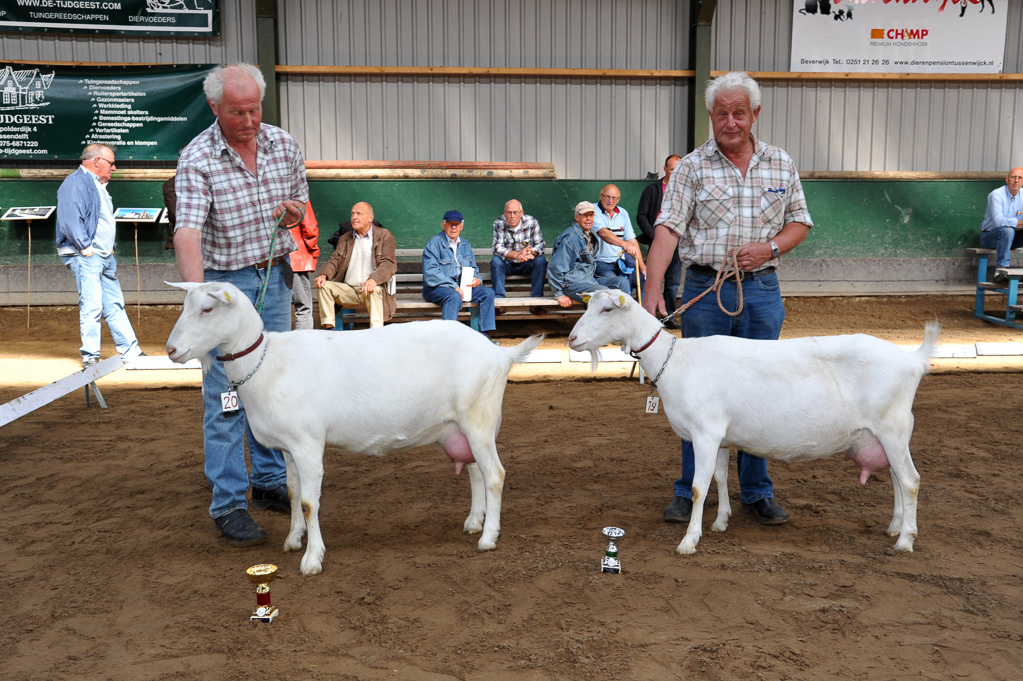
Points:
(444, 258)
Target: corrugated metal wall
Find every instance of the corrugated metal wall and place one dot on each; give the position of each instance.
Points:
(236, 42)
(589, 128)
(873, 126)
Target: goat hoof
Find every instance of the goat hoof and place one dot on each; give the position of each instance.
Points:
(686, 548)
(905, 545)
(290, 545)
(472, 527)
(311, 567)
(486, 545)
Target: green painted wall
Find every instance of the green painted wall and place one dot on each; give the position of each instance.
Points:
(854, 218)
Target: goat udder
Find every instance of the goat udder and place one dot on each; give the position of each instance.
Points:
(869, 456)
(456, 446)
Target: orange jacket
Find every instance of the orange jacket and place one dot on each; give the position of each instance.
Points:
(307, 236)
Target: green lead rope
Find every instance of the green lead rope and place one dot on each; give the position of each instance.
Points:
(269, 266)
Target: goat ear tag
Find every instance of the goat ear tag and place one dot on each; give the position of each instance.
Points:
(229, 401)
(621, 301)
(652, 404)
(586, 299)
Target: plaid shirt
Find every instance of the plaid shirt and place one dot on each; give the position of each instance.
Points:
(713, 208)
(233, 209)
(515, 239)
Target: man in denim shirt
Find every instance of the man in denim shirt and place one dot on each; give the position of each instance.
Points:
(443, 259)
(1002, 228)
(571, 273)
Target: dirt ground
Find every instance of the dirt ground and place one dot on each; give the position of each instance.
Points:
(111, 568)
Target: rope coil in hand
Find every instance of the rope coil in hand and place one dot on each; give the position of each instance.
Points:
(729, 268)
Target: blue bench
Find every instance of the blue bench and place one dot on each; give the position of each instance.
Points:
(985, 287)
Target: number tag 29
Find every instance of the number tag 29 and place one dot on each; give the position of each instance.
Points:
(229, 401)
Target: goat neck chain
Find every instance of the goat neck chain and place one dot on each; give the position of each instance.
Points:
(233, 385)
(653, 381)
(236, 355)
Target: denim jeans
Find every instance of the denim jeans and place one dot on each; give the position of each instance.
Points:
(606, 272)
(1003, 240)
(450, 301)
(536, 268)
(761, 318)
(99, 293)
(225, 434)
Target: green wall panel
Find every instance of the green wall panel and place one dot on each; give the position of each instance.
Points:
(853, 218)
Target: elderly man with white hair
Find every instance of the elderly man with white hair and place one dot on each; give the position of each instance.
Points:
(739, 197)
(572, 270)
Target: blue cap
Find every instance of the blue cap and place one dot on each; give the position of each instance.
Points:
(453, 216)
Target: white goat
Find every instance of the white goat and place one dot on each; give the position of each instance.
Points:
(369, 392)
(794, 399)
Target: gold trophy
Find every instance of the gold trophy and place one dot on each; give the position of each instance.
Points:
(261, 575)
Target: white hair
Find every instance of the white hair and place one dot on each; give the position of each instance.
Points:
(733, 80)
(213, 86)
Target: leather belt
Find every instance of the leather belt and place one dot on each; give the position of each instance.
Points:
(708, 271)
(273, 262)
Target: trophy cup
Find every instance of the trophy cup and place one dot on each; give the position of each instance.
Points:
(610, 563)
(261, 575)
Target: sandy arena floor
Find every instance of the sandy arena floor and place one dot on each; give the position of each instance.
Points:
(113, 570)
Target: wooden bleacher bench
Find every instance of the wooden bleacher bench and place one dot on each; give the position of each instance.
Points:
(984, 287)
(518, 305)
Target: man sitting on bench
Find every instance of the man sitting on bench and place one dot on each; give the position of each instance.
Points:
(358, 270)
(1002, 228)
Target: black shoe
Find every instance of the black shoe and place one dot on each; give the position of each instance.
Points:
(672, 324)
(240, 529)
(272, 499)
(767, 512)
(89, 361)
(679, 510)
(1000, 278)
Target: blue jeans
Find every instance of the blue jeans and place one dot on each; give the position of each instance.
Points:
(536, 268)
(450, 301)
(99, 293)
(605, 271)
(761, 318)
(1003, 240)
(225, 434)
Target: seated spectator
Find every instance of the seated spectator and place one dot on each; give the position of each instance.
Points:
(618, 250)
(444, 257)
(571, 273)
(358, 270)
(518, 249)
(303, 263)
(1002, 228)
(342, 229)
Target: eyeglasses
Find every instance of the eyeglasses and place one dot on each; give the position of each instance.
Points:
(100, 158)
(610, 198)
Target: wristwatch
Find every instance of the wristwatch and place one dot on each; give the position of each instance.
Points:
(774, 249)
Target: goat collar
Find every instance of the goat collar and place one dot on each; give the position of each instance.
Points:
(236, 355)
(635, 353)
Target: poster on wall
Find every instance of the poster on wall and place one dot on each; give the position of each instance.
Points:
(923, 36)
(144, 113)
(161, 17)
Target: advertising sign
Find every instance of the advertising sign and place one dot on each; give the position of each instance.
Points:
(164, 17)
(898, 36)
(144, 113)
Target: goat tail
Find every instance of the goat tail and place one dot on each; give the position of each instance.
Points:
(518, 353)
(926, 350)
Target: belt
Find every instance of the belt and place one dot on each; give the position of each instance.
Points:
(272, 262)
(708, 271)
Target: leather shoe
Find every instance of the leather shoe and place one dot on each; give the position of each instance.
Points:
(767, 512)
(240, 529)
(679, 510)
(1001, 277)
(272, 499)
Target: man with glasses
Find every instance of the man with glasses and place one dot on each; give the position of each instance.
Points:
(618, 251)
(85, 244)
(518, 249)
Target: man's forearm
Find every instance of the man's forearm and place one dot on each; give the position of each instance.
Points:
(188, 249)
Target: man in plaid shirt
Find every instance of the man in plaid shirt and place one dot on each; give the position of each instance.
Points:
(518, 249)
(240, 185)
(734, 192)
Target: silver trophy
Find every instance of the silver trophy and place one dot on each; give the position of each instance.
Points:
(610, 562)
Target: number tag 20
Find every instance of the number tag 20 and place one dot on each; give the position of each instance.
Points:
(229, 401)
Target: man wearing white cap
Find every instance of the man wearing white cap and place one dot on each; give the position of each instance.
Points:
(571, 270)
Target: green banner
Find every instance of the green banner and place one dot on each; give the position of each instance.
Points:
(144, 113)
(147, 17)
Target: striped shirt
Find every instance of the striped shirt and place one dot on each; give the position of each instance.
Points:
(507, 238)
(713, 208)
(233, 209)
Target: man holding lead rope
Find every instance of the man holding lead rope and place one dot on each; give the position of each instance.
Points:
(739, 200)
(240, 185)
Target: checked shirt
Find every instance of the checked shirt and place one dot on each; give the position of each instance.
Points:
(713, 208)
(233, 208)
(515, 239)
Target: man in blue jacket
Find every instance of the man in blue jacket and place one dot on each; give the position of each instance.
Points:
(571, 273)
(85, 244)
(444, 258)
